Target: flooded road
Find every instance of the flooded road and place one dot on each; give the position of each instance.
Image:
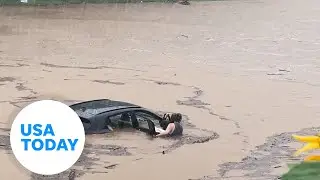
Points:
(240, 71)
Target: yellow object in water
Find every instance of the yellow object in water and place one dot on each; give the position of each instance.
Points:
(312, 158)
(313, 142)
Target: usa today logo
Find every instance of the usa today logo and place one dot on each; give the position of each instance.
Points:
(47, 137)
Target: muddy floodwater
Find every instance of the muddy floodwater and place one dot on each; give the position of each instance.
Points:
(245, 75)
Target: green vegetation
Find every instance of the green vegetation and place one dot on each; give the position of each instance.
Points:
(303, 171)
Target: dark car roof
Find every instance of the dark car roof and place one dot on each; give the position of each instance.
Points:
(89, 109)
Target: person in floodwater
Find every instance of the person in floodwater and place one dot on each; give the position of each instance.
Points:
(172, 127)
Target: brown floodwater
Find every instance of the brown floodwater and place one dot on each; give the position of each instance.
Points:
(240, 71)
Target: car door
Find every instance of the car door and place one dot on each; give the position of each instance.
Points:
(143, 117)
(120, 120)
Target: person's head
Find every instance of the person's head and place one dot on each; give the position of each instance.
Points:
(176, 117)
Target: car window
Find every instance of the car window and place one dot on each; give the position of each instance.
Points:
(86, 123)
(120, 120)
(142, 118)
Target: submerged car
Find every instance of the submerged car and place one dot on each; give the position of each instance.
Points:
(102, 115)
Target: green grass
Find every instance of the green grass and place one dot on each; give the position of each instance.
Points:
(303, 171)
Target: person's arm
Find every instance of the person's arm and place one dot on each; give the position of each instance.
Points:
(159, 130)
(167, 131)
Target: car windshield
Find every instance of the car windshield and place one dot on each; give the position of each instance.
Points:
(89, 109)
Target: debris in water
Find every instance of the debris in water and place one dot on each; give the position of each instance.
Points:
(283, 70)
(112, 166)
(275, 74)
(72, 175)
(184, 2)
